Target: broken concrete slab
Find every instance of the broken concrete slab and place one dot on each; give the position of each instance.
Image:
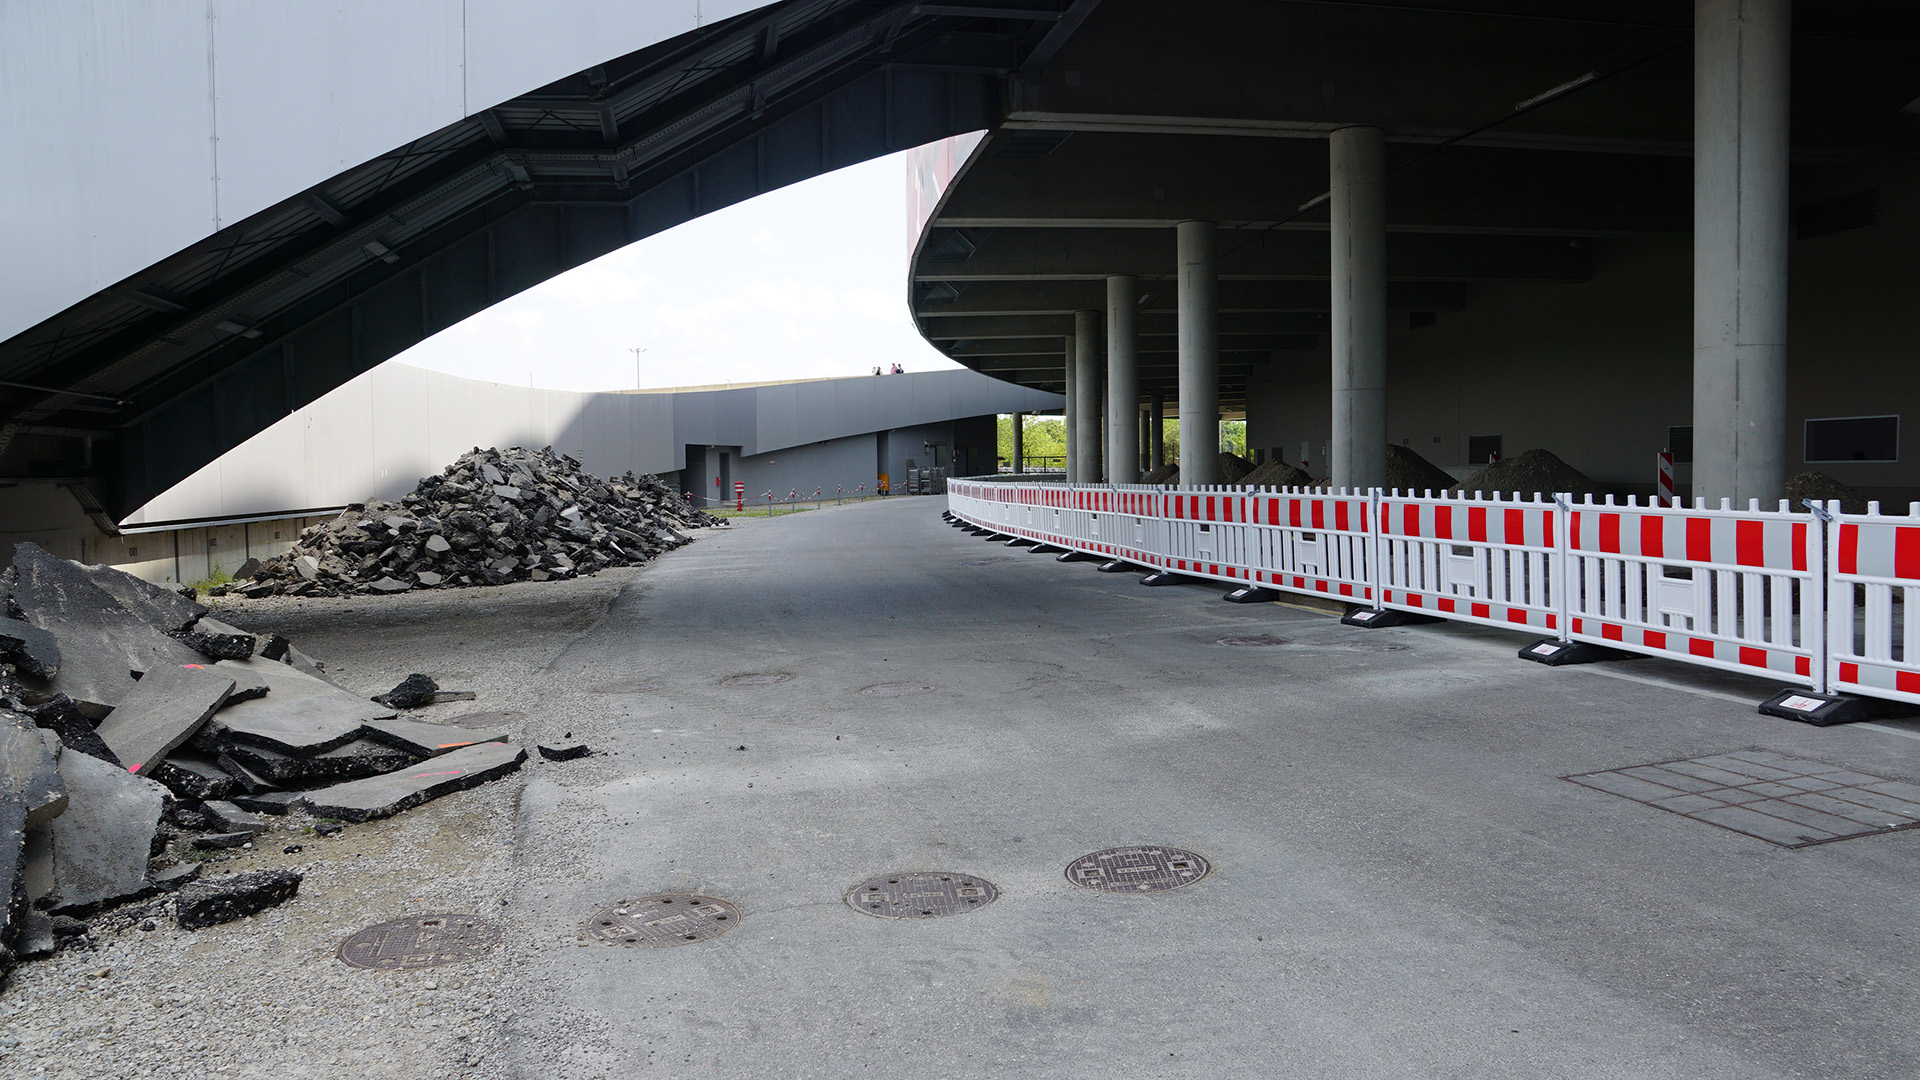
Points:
(216, 640)
(75, 731)
(427, 740)
(192, 776)
(29, 777)
(302, 716)
(175, 876)
(222, 841)
(219, 900)
(414, 691)
(163, 608)
(101, 642)
(162, 712)
(102, 843)
(33, 650)
(230, 818)
(247, 570)
(383, 796)
(357, 759)
(277, 803)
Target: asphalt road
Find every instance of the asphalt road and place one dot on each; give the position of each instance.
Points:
(1403, 885)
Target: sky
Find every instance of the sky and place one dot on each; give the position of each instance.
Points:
(805, 282)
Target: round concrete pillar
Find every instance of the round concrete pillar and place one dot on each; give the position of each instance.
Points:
(1358, 157)
(1070, 416)
(1123, 380)
(1019, 447)
(1087, 396)
(1740, 107)
(1197, 296)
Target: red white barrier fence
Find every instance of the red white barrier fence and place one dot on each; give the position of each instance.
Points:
(1825, 600)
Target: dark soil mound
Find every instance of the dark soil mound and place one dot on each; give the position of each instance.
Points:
(1822, 488)
(1408, 471)
(1276, 474)
(1530, 473)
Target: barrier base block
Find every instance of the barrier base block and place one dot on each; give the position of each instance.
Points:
(1251, 594)
(1117, 566)
(1370, 619)
(1075, 556)
(1019, 541)
(1823, 710)
(1164, 577)
(990, 536)
(1553, 652)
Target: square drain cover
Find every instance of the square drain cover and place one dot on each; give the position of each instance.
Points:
(1779, 798)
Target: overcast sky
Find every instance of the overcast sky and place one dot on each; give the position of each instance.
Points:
(804, 282)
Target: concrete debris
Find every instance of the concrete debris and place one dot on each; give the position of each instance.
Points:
(216, 640)
(230, 818)
(191, 776)
(1530, 473)
(29, 648)
(414, 691)
(1276, 474)
(384, 796)
(102, 842)
(1811, 484)
(209, 903)
(247, 570)
(490, 518)
(564, 753)
(102, 643)
(135, 728)
(163, 711)
(426, 740)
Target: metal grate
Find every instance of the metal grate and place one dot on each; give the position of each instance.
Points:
(921, 895)
(419, 942)
(662, 919)
(1791, 801)
(1137, 869)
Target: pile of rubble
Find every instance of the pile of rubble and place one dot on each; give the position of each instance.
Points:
(1533, 472)
(140, 738)
(492, 517)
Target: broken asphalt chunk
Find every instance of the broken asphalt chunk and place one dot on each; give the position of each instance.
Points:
(192, 776)
(565, 753)
(102, 842)
(162, 608)
(414, 691)
(383, 796)
(224, 899)
(163, 711)
(216, 640)
(222, 841)
(30, 648)
(426, 740)
(230, 818)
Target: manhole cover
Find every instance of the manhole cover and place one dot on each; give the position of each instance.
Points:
(663, 919)
(897, 689)
(1782, 799)
(922, 896)
(763, 679)
(419, 941)
(486, 719)
(1254, 641)
(630, 686)
(1137, 869)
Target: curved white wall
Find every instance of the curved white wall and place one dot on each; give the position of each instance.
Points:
(136, 129)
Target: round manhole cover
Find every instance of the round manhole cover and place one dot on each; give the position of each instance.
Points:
(767, 678)
(628, 686)
(1253, 641)
(897, 689)
(486, 719)
(1137, 869)
(922, 895)
(663, 919)
(419, 941)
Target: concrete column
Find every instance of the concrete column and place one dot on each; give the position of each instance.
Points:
(1086, 395)
(1071, 416)
(1359, 158)
(1740, 106)
(1123, 380)
(1143, 453)
(1019, 442)
(1199, 354)
(1157, 431)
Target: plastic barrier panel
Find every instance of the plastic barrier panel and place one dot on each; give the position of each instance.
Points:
(1732, 589)
(1481, 561)
(1874, 599)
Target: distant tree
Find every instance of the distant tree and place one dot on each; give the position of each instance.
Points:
(1044, 437)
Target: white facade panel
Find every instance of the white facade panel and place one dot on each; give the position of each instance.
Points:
(115, 111)
(307, 91)
(107, 125)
